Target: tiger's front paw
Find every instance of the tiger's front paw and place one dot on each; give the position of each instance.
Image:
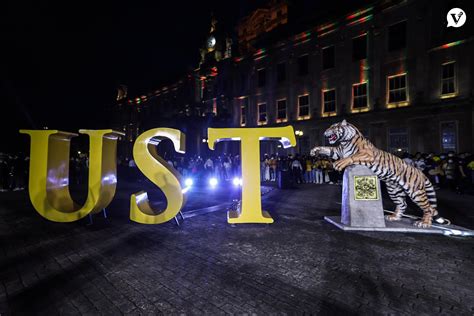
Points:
(315, 151)
(341, 164)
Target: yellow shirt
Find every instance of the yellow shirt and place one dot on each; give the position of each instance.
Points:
(309, 164)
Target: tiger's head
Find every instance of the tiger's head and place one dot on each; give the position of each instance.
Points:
(341, 132)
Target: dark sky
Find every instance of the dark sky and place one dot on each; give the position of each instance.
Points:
(62, 61)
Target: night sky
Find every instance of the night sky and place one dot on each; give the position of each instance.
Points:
(62, 62)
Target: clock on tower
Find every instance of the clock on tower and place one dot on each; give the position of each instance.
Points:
(211, 43)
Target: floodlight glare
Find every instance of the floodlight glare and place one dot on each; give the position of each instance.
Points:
(236, 181)
(213, 182)
(188, 182)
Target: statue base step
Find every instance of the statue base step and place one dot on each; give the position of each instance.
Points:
(405, 225)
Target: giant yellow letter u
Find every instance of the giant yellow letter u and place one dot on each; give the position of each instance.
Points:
(251, 207)
(49, 173)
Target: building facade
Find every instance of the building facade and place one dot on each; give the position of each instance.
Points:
(391, 68)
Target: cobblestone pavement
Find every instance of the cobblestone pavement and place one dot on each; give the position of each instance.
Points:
(300, 264)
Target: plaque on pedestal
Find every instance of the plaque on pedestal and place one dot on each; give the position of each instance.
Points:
(361, 198)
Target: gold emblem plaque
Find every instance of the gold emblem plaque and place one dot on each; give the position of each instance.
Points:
(365, 188)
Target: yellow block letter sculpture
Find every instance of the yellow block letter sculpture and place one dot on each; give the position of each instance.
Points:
(160, 173)
(251, 207)
(49, 173)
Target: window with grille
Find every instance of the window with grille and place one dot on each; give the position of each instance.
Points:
(448, 77)
(303, 106)
(281, 110)
(398, 140)
(329, 101)
(262, 113)
(359, 95)
(397, 89)
(449, 135)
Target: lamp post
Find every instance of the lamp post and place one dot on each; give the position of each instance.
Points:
(299, 134)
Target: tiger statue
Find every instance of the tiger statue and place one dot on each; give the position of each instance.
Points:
(401, 179)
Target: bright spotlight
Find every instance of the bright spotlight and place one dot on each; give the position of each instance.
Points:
(188, 182)
(236, 181)
(213, 182)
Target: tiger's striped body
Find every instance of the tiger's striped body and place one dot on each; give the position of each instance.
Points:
(401, 179)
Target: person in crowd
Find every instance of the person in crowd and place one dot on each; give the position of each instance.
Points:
(434, 170)
(273, 168)
(219, 168)
(237, 166)
(209, 167)
(420, 162)
(461, 175)
(318, 171)
(297, 169)
(308, 170)
(406, 157)
(227, 168)
(326, 166)
(262, 169)
(454, 173)
(332, 174)
(267, 167)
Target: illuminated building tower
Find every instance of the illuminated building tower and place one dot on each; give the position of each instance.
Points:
(390, 67)
(214, 81)
(199, 100)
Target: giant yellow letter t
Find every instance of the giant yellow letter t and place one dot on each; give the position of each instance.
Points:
(251, 207)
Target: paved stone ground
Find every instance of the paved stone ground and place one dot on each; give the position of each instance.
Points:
(300, 264)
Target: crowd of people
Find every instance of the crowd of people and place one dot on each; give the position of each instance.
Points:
(301, 169)
(13, 172)
(448, 170)
(222, 167)
(452, 171)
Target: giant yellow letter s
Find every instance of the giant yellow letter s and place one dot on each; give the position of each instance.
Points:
(160, 173)
(251, 207)
(49, 173)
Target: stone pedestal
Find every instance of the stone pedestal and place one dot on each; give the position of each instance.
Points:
(361, 198)
(362, 209)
